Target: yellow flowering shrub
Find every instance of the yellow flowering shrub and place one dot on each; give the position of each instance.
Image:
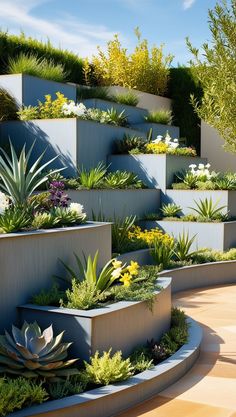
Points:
(144, 69)
(157, 148)
(148, 236)
(52, 109)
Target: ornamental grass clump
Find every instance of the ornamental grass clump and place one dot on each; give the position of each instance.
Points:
(106, 369)
(31, 353)
(8, 106)
(162, 116)
(129, 98)
(208, 211)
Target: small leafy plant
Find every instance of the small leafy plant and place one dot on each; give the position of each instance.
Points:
(162, 252)
(107, 369)
(209, 211)
(182, 247)
(14, 219)
(130, 144)
(122, 179)
(163, 117)
(129, 98)
(92, 178)
(171, 210)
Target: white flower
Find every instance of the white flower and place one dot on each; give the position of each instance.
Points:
(4, 202)
(173, 145)
(167, 138)
(201, 166)
(158, 139)
(208, 166)
(116, 273)
(74, 109)
(76, 208)
(176, 140)
(192, 166)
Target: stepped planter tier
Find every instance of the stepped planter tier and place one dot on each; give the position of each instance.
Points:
(142, 256)
(157, 171)
(158, 129)
(134, 114)
(30, 259)
(185, 199)
(113, 399)
(76, 142)
(220, 236)
(203, 275)
(117, 203)
(28, 90)
(122, 325)
(146, 101)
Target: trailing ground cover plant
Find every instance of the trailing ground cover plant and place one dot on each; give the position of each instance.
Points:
(8, 106)
(144, 69)
(159, 116)
(61, 107)
(31, 353)
(31, 64)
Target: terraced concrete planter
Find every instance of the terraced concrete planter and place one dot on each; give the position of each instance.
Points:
(119, 203)
(28, 90)
(113, 399)
(204, 275)
(122, 326)
(134, 114)
(157, 171)
(146, 100)
(185, 199)
(76, 142)
(29, 260)
(142, 256)
(158, 129)
(221, 236)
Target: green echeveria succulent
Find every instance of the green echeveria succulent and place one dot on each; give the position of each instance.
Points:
(32, 353)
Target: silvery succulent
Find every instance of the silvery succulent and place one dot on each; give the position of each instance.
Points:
(31, 353)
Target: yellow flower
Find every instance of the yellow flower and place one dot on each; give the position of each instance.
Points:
(126, 279)
(116, 264)
(157, 148)
(133, 268)
(116, 273)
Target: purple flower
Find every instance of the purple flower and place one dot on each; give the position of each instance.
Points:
(57, 196)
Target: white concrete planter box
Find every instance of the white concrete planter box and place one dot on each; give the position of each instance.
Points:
(146, 101)
(185, 199)
(119, 203)
(76, 142)
(142, 256)
(203, 275)
(28, 90)
(122, 325)
(158, 129)
(156, 171)
(113, 399)
(29, 260)
(133, 113)
(221, 236)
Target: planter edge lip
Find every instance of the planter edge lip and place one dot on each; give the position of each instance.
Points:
(168, 272)
(165, 282)
(23, 74)
(87, 225)
(183, 355)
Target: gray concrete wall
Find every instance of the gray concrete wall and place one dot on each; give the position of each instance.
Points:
(221, 236)
(29, 260)
(102, 328)
(157, 171)
(142, 256)
(212, 148)
(134, 114)
(185, 199)
(28, 90)
(158, 129)
(205, 275)
(146, 100)
(117, 203)
(76, 142)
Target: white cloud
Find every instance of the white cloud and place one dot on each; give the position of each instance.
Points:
(188, 3)
(67, 31)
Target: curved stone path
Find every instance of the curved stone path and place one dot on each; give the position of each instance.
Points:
(209, 388)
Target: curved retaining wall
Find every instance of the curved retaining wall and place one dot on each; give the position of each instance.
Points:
(113, 399)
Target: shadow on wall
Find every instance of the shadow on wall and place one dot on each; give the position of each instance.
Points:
(20, 133)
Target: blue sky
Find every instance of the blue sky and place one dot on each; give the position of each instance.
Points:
(81, 25)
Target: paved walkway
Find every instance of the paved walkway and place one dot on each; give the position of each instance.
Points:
(209, 388)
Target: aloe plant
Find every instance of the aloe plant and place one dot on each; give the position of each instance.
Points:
(183, 246)
(19, 180)
(92, 178)
(171, 210)
(31, 353)
(209, 211)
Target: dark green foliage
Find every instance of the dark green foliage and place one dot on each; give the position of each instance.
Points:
(84, 92)
(8, 106)
(129, 143)
(182, 83)
(14, 219)
(49, 297)
(12, 45)
(74, 384)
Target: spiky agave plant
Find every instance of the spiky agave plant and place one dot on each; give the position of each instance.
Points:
(31, 353)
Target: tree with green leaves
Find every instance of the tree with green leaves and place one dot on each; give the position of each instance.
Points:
(216, 71)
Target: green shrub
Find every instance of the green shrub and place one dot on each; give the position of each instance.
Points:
(163, 117)
(12, 45)
(108, 369)
(83, 295)
(141, 360)
(39, 67)
(14, 219)
(73, 385)
(144, 69)
(122, 179)
(130, 143)
(162, 252)
(129, 98)
(49, 297)
(19, 393)
(8, 106)
(85, 92)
